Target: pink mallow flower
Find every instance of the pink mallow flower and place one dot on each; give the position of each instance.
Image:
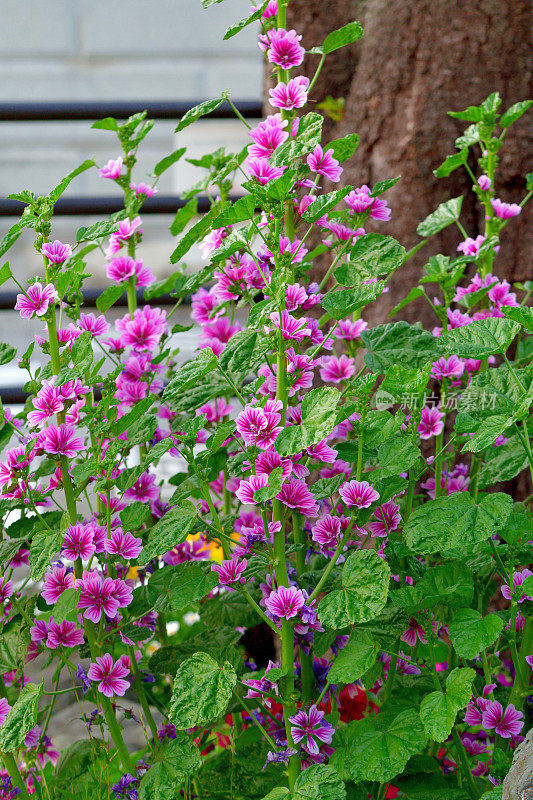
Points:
(327, 532)
(63, 634)
(110, 675)
(290, 95)
(504, 210)
(5, 708)
(112, 169)
(451, 367)
(285, 602)
(505, 723)
(268, 136)
(413, 632)
(78, 542)
(471, 247)
(324, 164)
(518, 580)
(283, 48)
(102, 594)
(260, 170)
(358, 493)
(431, 422)
(259, 426)
(97, 326)
(310, 727)
(61, 441)
(120, 269)
(144, 330)
(387, 519)
(36, 300)
(230, 571)
(56, 252)
(295, 494)
(123, 544)
(336, 369)
(6, 589)
(55, 583)
(248, 486)
(291, 328)
(46, 404)
(360, 200)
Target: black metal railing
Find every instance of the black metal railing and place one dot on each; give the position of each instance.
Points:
(100, 205)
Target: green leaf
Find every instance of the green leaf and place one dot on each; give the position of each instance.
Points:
(383, 186)
(488, 432)
(402, 382)
(455, 521)
(106, 124)
(471, 633)
(75, 761)
(397, 455)
(413, 294)
(451, 163)
(519, 526)
(514, 112)
(318, 420)
(21, 718)
(344, 148)
(5, 273)
(355, 659)
(348, 34)
(122, 424)
(240, 211)
(180, 759)
(243, 351)
(481, 338)
(268, 492)
(449, 584)
(45, 544)
(184, 585)
(379, 746)
(110, 296)
(202, 691)
(7, 353)
(374, 254)
(183, 216)
(365, 580)
(324, 203)
(190, 373)
(521, 314)
(198, 230)
(399, 343)
(169, 160)
(56, 193)
(438, 710)
(470, 114)
(169, 531)
(207, 107)
(444, 215)
(237, 27)
(319, 782)
(99, 230)
(342, 303)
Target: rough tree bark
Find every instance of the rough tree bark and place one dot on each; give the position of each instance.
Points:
(417, 60)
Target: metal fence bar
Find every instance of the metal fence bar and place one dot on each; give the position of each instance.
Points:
(121, 109)
(97, 205)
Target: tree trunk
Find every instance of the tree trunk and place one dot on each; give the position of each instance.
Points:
(418, 60)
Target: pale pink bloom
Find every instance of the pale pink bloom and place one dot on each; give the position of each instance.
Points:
(322, 452)
(457, 319)
(72, 417)
(56, 252)
(220, 331)
(308, 727)
(61, 441)
(505, 723)
(120, 269)
(47, 403)
(78, 542)
(360, 200)
(144, 489)
(501, 296)
(431, 422)
(268, 136)
(324, 164)
(283, 48)
(109, 675)
(358, 493)
(470, 247)
(452, 367)
(350, 329)
(295, 494)
(36, 300)
(16, 459)
(112, 168)
(123, 544)
(270, 11)
(269, 460)
(484, 183)
(285, 602)
(212, 241)
(143, 188)
(387, 519)
(295, 297)
(216, 409)
(336, 369)
(247, 488)
(413, 632)
(230, 571)
(518, 580)
(6, 589)
(290, 95)
(95, 325)
(261, 170)
(63, 634)
(145, 330)
(231, 283)
(258, 427)
(143, 274)
(55, 583)
(504, 210)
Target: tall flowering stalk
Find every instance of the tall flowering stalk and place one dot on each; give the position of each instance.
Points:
(305, 481)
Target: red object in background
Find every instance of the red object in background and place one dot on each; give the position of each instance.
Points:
(392, 791)
(353, 701)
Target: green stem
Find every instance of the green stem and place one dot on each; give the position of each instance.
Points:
(116, 735)
(141, 694)
(267, 736)
(327, 572)
(306, 659)
(392, 672)
(13, 772)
